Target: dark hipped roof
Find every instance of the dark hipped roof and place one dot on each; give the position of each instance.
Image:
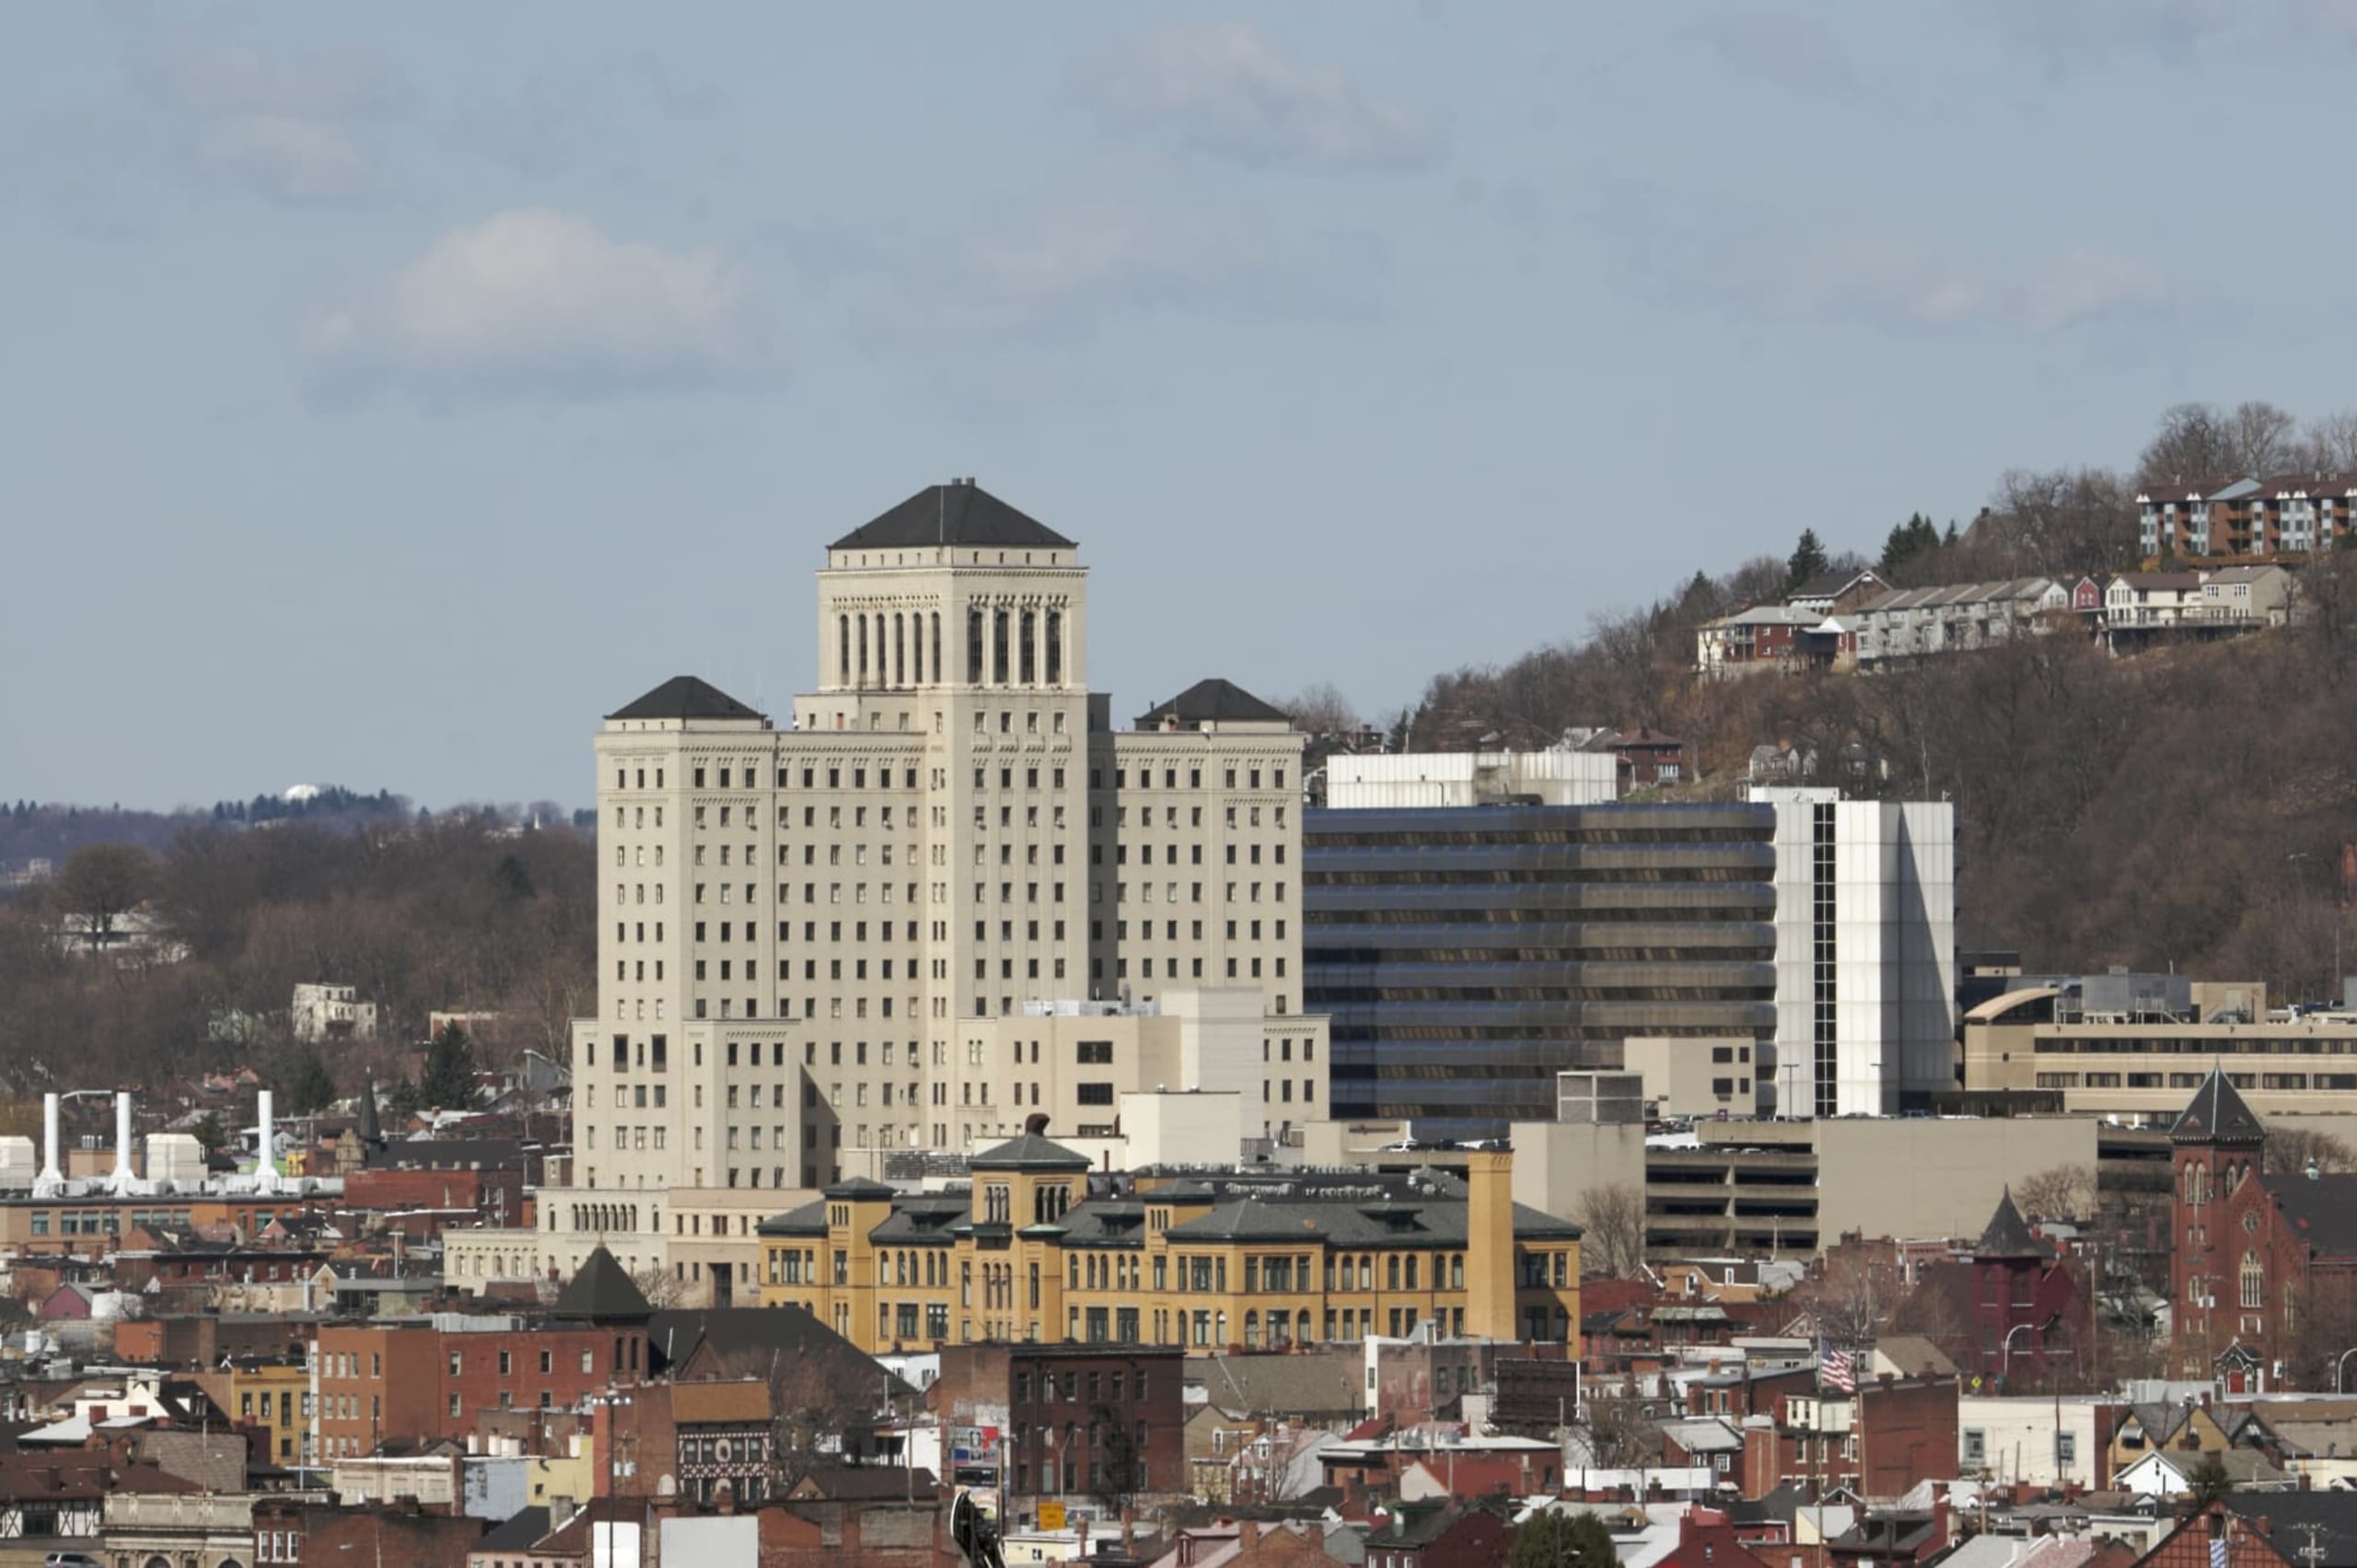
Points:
(961, 514)
(1030, 1151)
(685, 697)
(2217, 1114)
(2009, 1235)
(856, 1188)
(602, 1292)
(1220, 701)
(2322, 1209)
(522, 1531)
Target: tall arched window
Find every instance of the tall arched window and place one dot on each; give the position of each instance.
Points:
(1028, 654)
(973, 645)
(842, 650)
(1055, 648)
(899, 650)
(2254, 1281)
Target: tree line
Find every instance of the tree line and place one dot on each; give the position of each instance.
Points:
(2187, 807)
(453, 914)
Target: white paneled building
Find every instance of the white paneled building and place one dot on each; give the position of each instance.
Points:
(1865, 952)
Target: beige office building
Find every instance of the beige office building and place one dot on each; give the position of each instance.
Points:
(818, 944)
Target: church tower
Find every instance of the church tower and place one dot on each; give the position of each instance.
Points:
(2216, 1144)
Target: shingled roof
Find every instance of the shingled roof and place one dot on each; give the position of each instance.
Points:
(602, 1292)
(1213, 701)
(2009, 1235)
(685, 697)
(1030, 1151)
(958, 513)
(2217, 1114)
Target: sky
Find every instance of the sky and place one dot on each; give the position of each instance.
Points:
(387, 393)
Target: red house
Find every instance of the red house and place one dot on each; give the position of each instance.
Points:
(2256, 1249)
(2027, 1307)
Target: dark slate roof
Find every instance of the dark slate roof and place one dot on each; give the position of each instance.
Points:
(807, 1220)
(961, 514)
(859, 1187)
(2009, 1235)
(2322, 1209)
(1217, 701)
(927, 1217)
(1030, 1151)
(602, 1292)
(685, 697)
(866, 1483)
(2332, 1514)
(751, 1340)
(2217, 1114)
(518, 1535)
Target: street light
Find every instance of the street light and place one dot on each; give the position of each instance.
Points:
(2006, 1366)
(2341, 1366)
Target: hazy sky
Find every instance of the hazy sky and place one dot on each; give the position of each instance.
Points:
(387, 393)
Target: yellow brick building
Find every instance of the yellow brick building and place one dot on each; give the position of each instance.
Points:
(271, 1395)
(1038, 1248)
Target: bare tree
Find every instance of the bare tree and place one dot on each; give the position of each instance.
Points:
(2193, 442)
(2329, 444)
(2062, 522)
(1612, 1230)
(2058, 1192)
(660, 1287)
(101, 883)
(2263, 438)
(1621, 1431)
(1320, 710)
(2289, 1149)
(1851, 1299)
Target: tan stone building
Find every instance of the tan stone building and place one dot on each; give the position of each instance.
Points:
(800, 929)
(1038, 1248)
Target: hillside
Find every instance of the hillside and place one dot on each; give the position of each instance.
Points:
(2185, 808)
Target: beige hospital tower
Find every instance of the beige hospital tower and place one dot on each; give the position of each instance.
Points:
(948, 897)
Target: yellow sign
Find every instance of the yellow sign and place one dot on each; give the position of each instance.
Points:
(1052, 1516)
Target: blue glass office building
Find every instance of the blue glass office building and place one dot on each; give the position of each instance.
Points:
(1468, 954)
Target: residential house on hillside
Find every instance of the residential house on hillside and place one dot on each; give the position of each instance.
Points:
(1830, 593)
(1957, 617)
(1764, 637)
(2229, 516)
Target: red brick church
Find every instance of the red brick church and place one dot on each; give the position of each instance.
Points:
(2264, 1271)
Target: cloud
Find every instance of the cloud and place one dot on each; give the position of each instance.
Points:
(539, 303)
(1796, 51)
(1900, 283)
(224, 77)
(2086, 33)
(1068, 270)
(291, 160)
(1225, 91)
(284, 128)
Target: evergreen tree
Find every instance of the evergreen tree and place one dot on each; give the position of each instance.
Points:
(1808, 559)
(402, 1101)
(309, 1086)
(448, 1083)
(512, 880)
(209, 1133)
(1561, 1540)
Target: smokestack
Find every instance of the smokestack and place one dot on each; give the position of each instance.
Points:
(265, 1144)
(51, 1181)
(122, 1178)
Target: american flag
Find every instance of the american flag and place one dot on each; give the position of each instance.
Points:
(1836, 1369)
